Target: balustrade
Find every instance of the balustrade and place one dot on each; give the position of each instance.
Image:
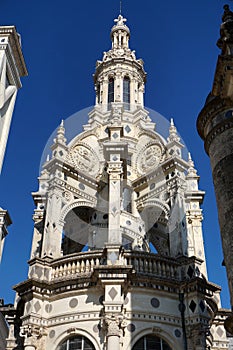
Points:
(85, 263)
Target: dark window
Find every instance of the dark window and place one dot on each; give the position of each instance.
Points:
(77, 343)
(151, 342)
(126, 92)
(98, 93)
(110, 90)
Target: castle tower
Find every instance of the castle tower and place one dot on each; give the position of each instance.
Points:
(215, 126)
(117, 259)
(12, 68)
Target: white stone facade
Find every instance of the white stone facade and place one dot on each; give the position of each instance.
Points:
(107, 201)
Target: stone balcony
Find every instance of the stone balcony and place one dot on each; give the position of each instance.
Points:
(82, 265)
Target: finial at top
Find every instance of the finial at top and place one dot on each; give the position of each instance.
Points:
(191, 170)
(120, 6)
(120, 20)
(173, 135)
(228, 14)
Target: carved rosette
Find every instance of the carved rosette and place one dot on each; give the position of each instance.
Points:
(85, 159)
(149, 157)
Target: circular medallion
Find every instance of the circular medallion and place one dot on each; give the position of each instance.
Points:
(85, 159)
(149, 158)
(51, 334)
(155, 302)
(48, 308)
(177, 333)
(131, 327)
(73, 303)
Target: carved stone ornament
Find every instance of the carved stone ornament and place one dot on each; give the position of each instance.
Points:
(111, 54)
(114, 324)
(85, 159)
(149, 158)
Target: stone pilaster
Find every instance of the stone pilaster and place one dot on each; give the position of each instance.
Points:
(197, 337)
(11, 340)
(5, 221)
(53, 228)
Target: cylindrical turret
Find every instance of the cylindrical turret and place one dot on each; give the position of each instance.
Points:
(120, 77)
(215, 126)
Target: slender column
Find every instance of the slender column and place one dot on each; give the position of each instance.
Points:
(140, 94)
(113, 342)
(132, 92)
(114, 171)
(118, 93)
(104, 88)
(29, 347)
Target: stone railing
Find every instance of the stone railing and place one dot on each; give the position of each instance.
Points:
(142, 263)
(78, 264)
(154, 265)
(83, 264)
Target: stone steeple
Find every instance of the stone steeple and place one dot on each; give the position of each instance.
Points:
(117, 256)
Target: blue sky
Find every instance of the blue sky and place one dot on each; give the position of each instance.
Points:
(61, 43)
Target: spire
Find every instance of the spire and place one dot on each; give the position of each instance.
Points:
(59, 147)
(61, 134)
(226, 32)
(191, 170)
(173, 136)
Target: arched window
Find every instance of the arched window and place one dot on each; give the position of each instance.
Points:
(151, 342)
(126, 92)
(77, 343)
(110, 90)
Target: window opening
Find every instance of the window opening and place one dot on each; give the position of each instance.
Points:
(110, 91)
(126, 92)
(77, 343)
(151, 342)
